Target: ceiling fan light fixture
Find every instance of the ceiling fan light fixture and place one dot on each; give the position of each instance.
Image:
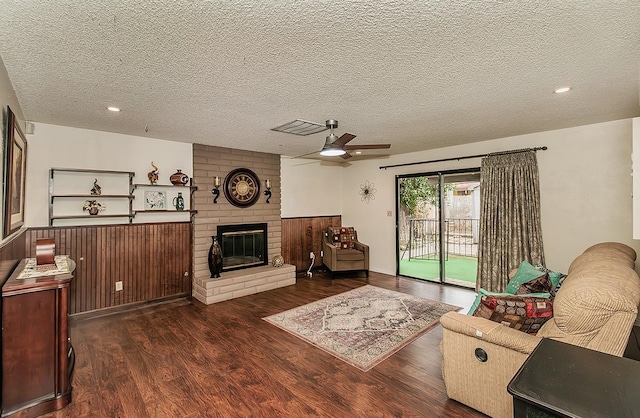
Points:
(332, 152)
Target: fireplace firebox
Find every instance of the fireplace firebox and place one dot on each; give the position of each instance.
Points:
(243, 246)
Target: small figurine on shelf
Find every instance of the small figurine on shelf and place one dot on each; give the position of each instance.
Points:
(96, 190)
(93, 206)
(153, 174)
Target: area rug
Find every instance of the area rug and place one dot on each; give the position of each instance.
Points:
(363, 326)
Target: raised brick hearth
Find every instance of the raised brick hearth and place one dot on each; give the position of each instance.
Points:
(238, 283)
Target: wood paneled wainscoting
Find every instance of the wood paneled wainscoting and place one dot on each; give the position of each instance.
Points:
(153, 262)
(301, 236)
(11, 252)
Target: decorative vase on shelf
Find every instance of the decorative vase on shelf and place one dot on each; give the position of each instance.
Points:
(178, 201)
(179, 178)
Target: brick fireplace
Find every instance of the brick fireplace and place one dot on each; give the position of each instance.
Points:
(209, 162)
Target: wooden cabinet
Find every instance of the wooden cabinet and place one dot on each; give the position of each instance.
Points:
(37, 355)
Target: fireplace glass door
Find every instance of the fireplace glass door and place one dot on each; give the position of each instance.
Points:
(243, 245)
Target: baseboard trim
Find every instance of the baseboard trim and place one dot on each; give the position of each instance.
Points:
(97, 313)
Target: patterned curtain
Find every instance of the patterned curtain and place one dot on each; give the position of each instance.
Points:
(510, 230)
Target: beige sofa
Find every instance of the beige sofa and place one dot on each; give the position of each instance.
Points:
(595, 308)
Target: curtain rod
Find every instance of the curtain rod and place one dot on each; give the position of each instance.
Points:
(384, 167)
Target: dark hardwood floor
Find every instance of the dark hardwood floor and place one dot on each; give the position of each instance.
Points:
(186, 359)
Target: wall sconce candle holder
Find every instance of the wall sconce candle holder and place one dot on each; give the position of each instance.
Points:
(267, 192)
(216, 188)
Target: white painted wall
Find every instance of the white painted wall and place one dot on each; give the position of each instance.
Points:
(585, 176)
(65, 147)
(586, 190)
(310, 188)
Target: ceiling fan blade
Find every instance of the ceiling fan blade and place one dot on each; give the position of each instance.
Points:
(363, 157)
(343, 140)
(304, 155)
(346, 156)
(370, 146)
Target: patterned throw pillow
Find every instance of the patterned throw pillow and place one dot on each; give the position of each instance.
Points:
(556, 277)
(529, 279)
(537, 285)
(524, 313)
(343, 237)
(482, 292)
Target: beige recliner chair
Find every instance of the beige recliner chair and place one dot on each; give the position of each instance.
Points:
(595, 308)
(343, 251)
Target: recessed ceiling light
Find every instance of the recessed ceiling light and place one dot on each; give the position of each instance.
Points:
(562, 90)
(113, 108)
(358, 152)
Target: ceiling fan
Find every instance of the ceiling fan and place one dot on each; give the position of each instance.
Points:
(335, 146)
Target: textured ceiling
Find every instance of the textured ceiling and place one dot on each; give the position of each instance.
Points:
(417, 74)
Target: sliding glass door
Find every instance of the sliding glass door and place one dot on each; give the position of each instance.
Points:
(437, 229)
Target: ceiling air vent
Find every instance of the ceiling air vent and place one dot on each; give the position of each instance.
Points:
(300, 127)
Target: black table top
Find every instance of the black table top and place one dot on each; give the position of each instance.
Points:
(578, 382)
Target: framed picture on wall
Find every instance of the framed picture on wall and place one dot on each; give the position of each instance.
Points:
(155, 200)
(15, 165)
